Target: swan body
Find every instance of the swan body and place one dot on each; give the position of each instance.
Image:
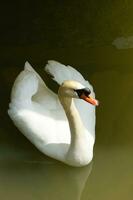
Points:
(61, 126)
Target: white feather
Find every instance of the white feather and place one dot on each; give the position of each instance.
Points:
(38, 114)
(61, 73)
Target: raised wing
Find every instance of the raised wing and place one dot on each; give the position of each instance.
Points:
(60, 73)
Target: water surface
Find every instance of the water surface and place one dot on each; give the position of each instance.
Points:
(80, 34)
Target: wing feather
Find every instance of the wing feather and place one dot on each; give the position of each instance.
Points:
(60, 73)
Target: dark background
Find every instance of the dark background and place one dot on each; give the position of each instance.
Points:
(78, 33)
(95, 37)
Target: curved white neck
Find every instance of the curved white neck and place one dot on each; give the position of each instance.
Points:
(81, 147)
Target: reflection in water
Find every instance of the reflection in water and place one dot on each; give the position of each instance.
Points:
(123, 42)
(33, 180)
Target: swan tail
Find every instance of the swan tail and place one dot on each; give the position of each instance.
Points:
(25, 86)
(61, 73)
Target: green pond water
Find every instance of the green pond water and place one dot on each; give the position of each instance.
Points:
(96, 38)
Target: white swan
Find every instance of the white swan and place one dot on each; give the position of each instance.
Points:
(61, 126)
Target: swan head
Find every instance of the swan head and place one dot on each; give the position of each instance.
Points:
(74, 89)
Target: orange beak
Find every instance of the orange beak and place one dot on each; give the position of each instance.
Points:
(89, 100)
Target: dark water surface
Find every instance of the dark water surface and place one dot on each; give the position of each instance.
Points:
(96, 38)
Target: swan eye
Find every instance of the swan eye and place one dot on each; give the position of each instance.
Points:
(85, 91)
